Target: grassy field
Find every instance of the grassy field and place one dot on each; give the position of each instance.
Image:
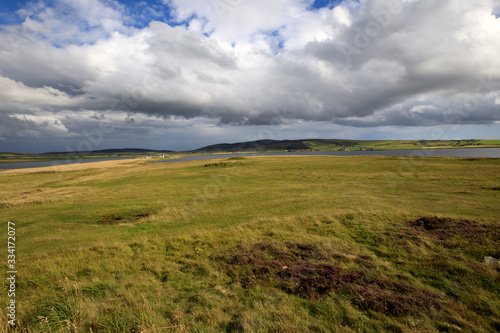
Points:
(405, 144)
(256, 244)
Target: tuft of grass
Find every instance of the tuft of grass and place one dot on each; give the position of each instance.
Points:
(223, 164)
(115, 320)
(125, 218)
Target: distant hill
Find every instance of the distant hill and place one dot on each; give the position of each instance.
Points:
(289, 145)
(115, 151)
(265, 145)
(131, 150)
(259, 145)
(8, 153)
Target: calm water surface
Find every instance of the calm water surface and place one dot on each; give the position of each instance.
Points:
(466, 152)
(39, 164)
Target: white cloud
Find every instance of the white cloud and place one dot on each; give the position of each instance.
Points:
(17, 95)
(233, 20)
(72, 21)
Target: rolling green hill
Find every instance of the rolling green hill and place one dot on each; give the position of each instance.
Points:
(334, 145)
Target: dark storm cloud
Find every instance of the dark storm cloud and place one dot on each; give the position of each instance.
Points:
(364, 64)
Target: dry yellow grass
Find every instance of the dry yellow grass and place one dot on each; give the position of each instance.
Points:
(158, 266)
(75, 166)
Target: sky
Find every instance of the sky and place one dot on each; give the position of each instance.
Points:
(182, 74)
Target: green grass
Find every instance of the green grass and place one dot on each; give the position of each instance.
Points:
(270, 244)
(489, 142)
(402, 144)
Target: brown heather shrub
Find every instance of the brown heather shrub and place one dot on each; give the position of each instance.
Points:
(460, 233)
(303, 270)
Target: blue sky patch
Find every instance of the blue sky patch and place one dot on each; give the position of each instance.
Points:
(318, 4)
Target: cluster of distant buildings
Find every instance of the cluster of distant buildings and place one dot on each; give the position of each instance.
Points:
(159, 156)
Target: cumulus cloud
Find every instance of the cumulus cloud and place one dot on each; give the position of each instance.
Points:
(233, 20)
(71, 21)
(365, 63)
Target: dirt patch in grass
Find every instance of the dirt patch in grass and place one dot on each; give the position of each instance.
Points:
(125, 218)
(497, 188)
(223, 164)
(306, 270)
(34, 191)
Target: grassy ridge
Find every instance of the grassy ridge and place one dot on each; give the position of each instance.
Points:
(335, 145)
(280, 244)
(260, 146)
(402, 144)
